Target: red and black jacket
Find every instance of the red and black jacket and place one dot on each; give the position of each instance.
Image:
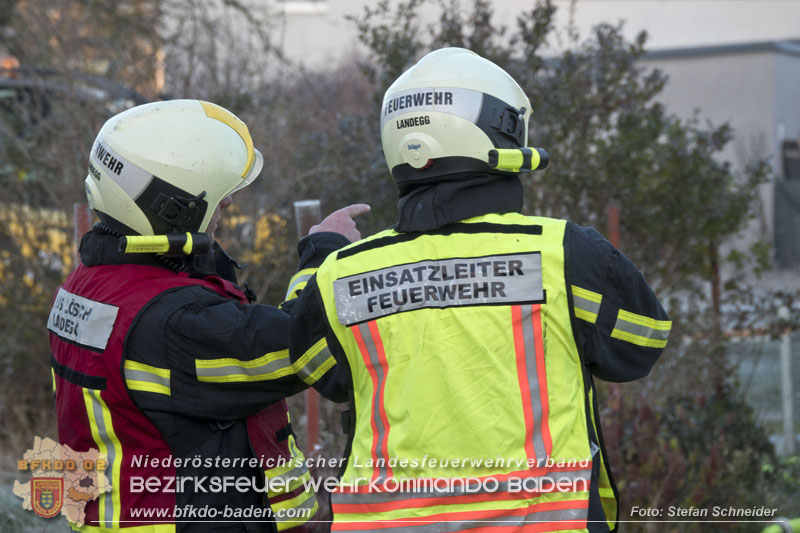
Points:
(169, 375)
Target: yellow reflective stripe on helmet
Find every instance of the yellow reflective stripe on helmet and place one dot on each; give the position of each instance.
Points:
(107, 442)
(295, 511)
(273, 365)
(142, 377)
(641, 330)
(298, 282)
(313, 364)
(586, 303)
(226, 117)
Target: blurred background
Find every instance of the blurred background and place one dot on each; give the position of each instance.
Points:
(672, 126)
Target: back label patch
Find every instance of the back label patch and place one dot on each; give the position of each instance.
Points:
(82, 320)
(491, 280)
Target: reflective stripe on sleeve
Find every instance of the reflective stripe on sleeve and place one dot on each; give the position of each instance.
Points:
(288, 481)
(641, 330)
(313, 364)
(586, 303)
(290, 476)
(273, 365)
(298, 282)
(291, 510)
(142, 377)
(295, 511)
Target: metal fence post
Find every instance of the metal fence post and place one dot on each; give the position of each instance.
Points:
(308, 213)
(787, 394)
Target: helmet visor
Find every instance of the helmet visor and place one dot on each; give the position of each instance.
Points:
(252, 175)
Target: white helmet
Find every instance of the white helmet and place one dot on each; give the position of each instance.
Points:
(165, 166)
(443, 115)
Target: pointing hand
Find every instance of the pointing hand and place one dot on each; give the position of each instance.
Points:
(342, 222)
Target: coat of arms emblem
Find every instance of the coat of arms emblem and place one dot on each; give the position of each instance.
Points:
(47, 495)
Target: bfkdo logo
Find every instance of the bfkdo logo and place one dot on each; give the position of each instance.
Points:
(47, 495)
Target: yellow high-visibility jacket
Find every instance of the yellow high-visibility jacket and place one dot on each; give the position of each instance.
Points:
(463, 353)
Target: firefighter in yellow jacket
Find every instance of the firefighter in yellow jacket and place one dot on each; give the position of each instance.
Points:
(466, 337)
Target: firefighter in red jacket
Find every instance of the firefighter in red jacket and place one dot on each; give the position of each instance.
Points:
(158, 359)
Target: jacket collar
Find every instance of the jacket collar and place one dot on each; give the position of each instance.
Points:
(428, 206)
(100, 248)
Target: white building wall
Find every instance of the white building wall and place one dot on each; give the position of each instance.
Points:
(787, 120)
(681, 23)
(316, 32)
(738, 89)
(787, 94)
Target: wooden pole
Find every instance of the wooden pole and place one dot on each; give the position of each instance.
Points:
(613, 225)
(308, 213)
(614, 389)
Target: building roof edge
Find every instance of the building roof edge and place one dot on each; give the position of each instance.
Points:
(788, 47)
